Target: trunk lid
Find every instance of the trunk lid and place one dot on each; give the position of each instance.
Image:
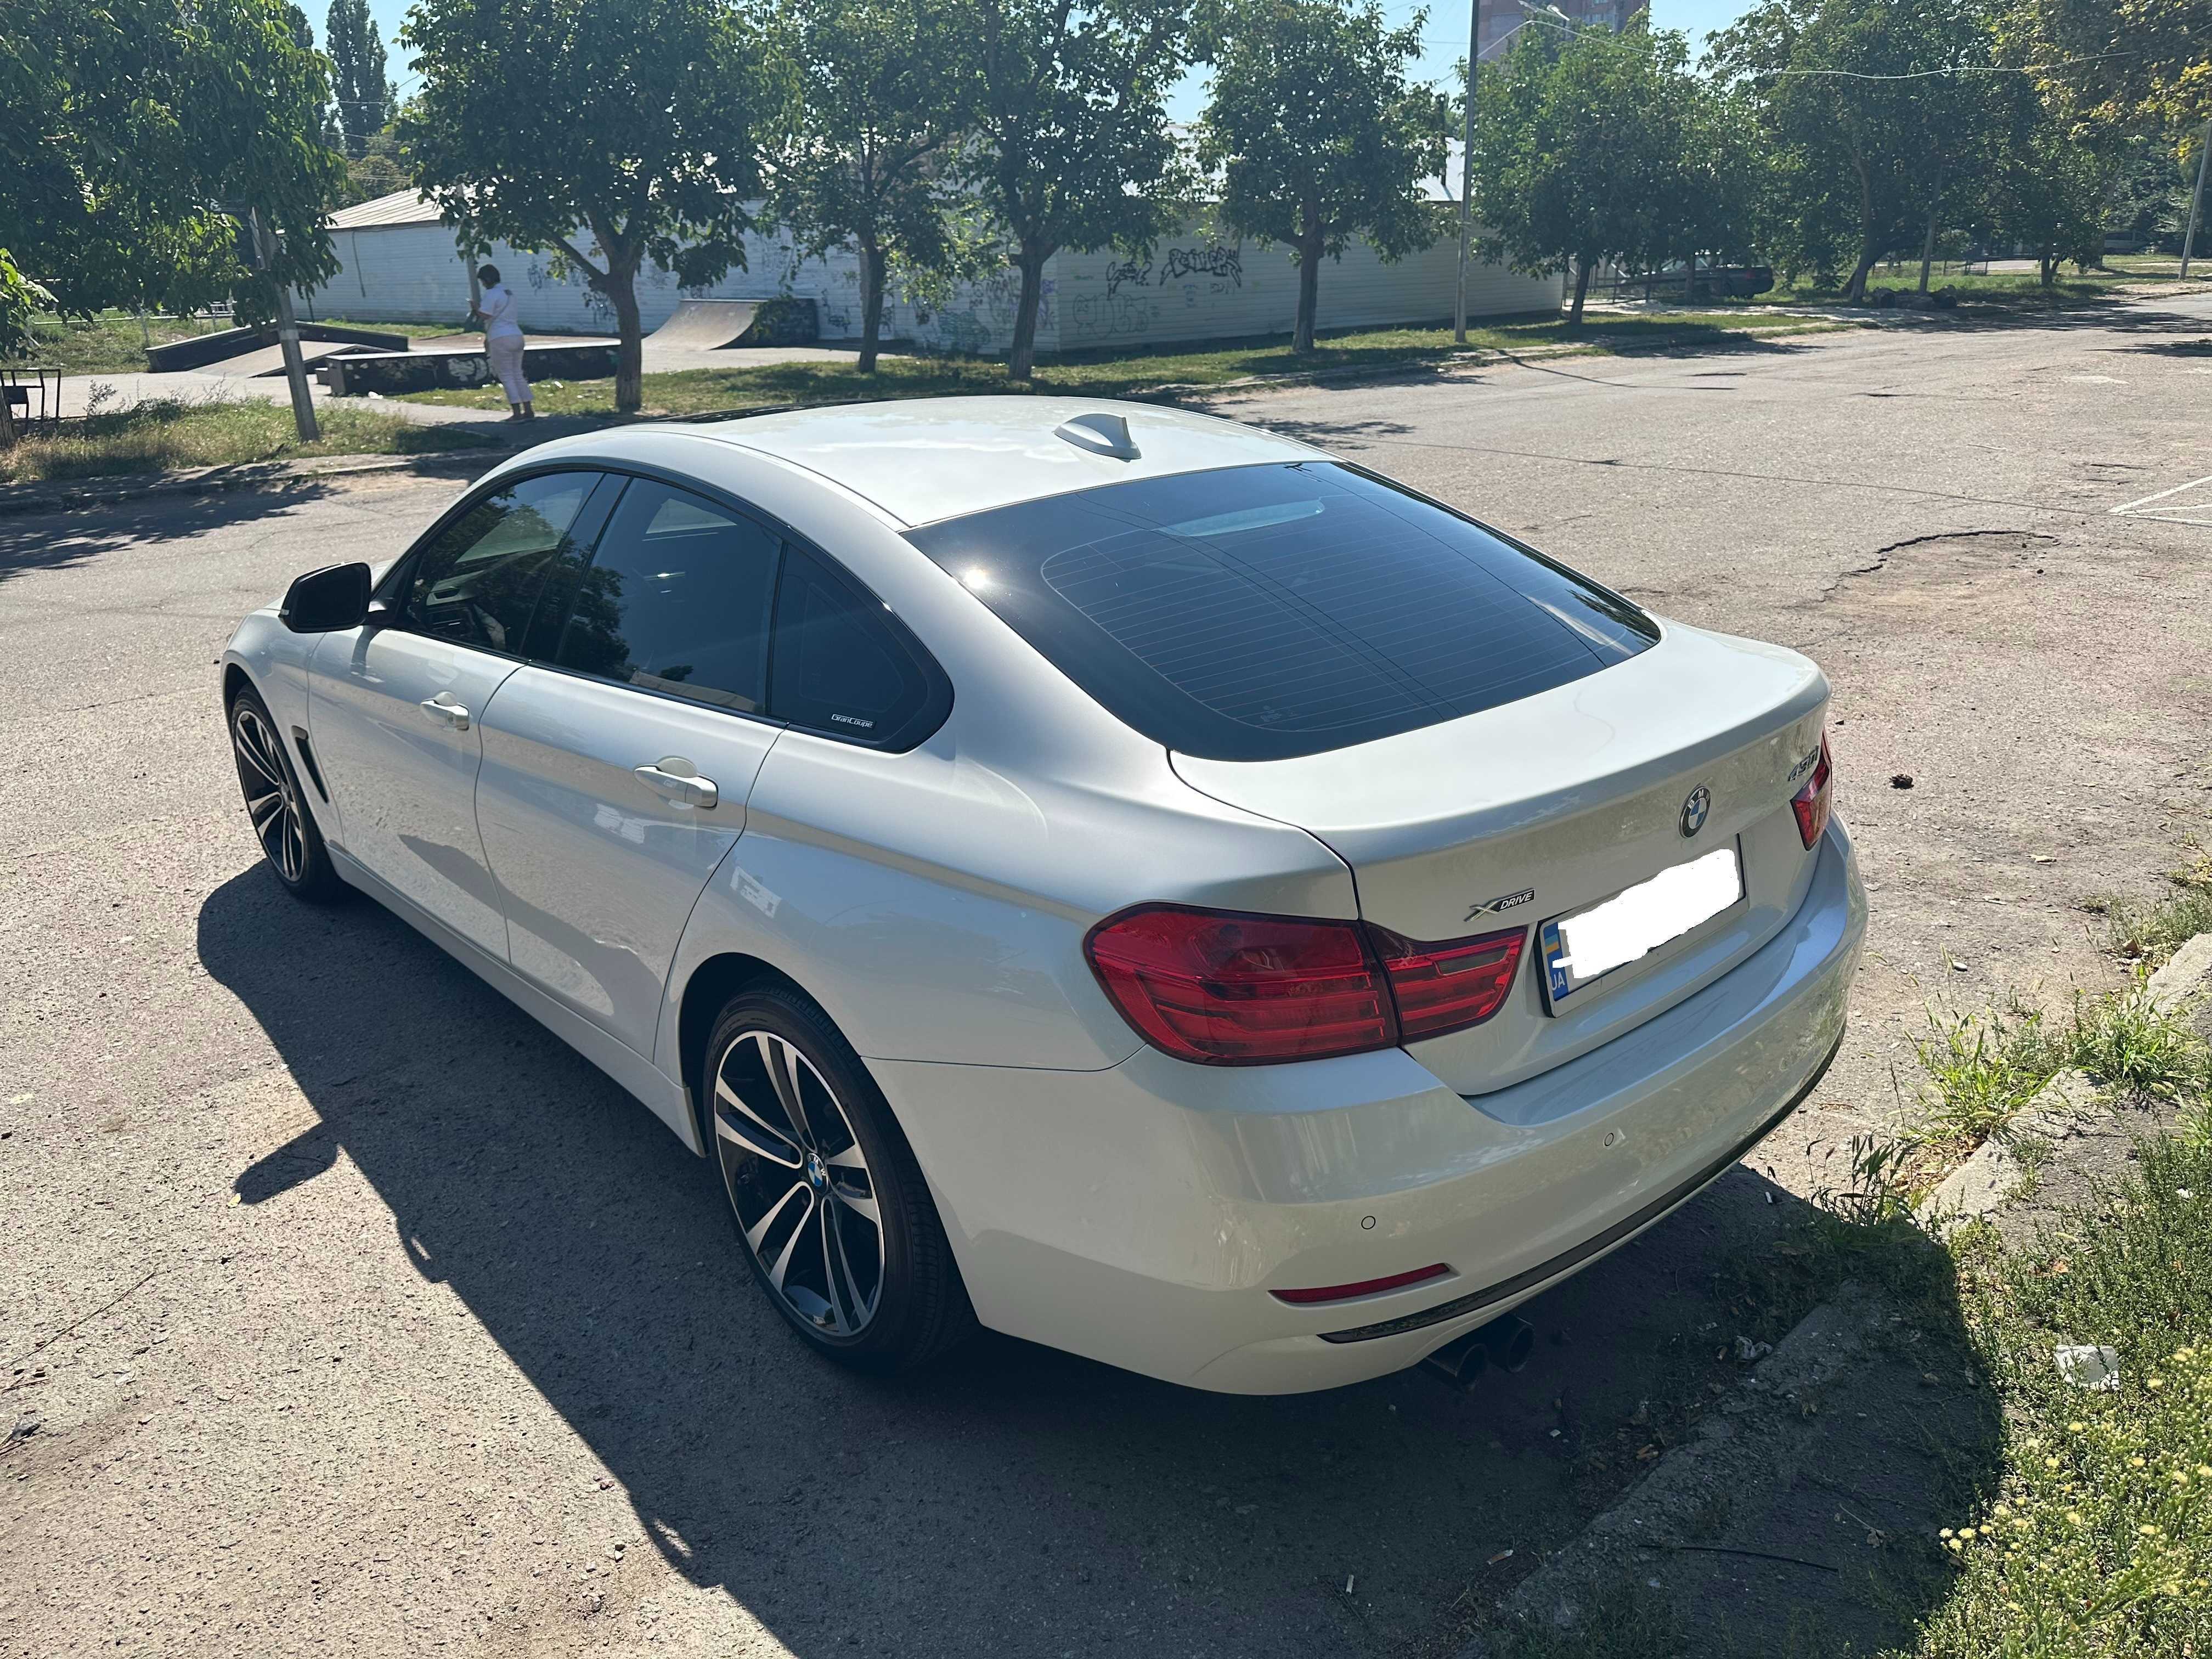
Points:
(1569, 797)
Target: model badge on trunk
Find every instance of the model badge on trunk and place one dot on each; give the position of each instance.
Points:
(1497, 905)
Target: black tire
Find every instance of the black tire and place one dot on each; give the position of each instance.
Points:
(277, 806)
(849, 1158)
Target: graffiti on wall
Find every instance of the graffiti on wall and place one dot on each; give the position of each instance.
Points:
(980, 318)
(1194, 272)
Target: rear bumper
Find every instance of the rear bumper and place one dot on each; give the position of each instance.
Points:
(1140, 1215)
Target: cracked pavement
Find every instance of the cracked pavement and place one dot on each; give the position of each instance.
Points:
(342, 1310)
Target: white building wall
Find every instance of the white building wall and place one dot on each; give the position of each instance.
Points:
(1192, 288)
(1196, 287)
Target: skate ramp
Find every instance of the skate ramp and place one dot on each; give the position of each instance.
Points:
(706, 324)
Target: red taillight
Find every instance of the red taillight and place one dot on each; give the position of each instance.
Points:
(1364, 1287)
(1225, 988)
(1228, 989)
(1445, 988)
(1810, 803)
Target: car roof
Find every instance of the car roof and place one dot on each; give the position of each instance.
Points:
(928, 459)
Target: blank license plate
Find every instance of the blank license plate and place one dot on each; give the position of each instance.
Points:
(1588, 944)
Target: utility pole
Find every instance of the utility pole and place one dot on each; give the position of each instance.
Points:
(287, 334)
(2196, 199)
(1467, 168)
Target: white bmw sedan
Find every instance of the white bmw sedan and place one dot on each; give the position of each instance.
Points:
(1114, 875)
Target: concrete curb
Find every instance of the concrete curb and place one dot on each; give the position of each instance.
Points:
(2060, 1110)
(1759, 1428)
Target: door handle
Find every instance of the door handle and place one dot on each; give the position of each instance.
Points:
(444, 707)
(675, 779)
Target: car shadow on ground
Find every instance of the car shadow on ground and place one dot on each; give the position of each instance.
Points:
(1059, 1505)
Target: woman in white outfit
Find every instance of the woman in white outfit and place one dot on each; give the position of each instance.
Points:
(503, 343)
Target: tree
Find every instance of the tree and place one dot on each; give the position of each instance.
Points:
(2056, 187)
(629, 120)
(1603, 147)
(2127, 63)
(358, 81)
(1072, 144)
(1316, 133)
(135, 126)
(890, 89)
(1872, 128)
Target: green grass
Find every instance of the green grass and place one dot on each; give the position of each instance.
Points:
(2096, 1542)
(154, 437)
(109, 342)
(1983, 1068)
(1099, 375)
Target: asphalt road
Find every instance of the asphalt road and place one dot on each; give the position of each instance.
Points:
(343, 1310)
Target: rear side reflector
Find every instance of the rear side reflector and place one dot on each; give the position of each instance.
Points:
(1810, 803)
(1364, 1287)
(1445, 987)
(1225, 988)
(1228, 988)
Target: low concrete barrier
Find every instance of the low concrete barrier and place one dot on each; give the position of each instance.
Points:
(204, 349)
(389, 372)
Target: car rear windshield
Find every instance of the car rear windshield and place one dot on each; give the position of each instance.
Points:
(1260, 612)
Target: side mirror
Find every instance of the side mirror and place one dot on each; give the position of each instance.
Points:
(323, 601)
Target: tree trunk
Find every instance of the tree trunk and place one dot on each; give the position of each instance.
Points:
(629, 355)
(1021, 362)
(1581, 292)
(872, 301)
(1854, 290)
(1310, 242)
(1928, 247)
(7, 421)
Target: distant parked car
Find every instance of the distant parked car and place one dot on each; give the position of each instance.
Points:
(1123, 877)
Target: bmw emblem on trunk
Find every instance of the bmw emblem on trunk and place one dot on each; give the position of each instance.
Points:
(1696, 809)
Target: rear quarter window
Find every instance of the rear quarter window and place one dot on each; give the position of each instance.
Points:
(1259, 613)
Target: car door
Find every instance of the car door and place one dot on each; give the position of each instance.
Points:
(616, 764)
(394, 705)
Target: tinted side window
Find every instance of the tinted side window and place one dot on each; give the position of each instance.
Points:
(477, 582)
(844, 665)
(677, 599)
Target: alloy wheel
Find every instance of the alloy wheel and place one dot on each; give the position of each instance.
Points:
(272, 801)
(805, 1198)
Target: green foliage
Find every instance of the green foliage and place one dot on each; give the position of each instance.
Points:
(20, 297)
(130, 126)
(1316, 133)
(2124, 64)
(1073, 146)
(1602, 147)
(358, 83)
(1867, 132)
(890, 87)
(630, 119)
